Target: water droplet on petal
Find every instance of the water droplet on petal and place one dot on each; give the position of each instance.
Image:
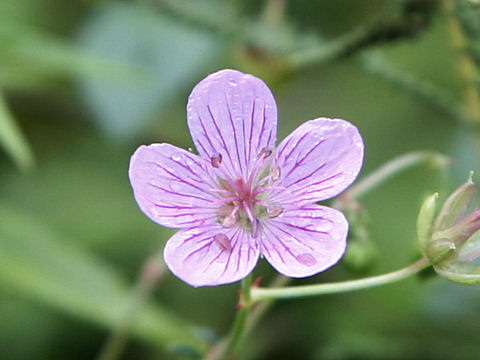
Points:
(306, 259)
(232, 83)
(223, 241)
(176, 156)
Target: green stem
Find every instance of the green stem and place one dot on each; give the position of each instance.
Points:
(152, 271)
(228, 347)
(338, 287)
(391, 168)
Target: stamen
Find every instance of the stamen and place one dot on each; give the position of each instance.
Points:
(248, 211)
(267, 188)
(224, 200)
(231, 219)
(255, 228)
(265, 153)
(216, 160)
(275, 211)
(275, 173)
(223, 241)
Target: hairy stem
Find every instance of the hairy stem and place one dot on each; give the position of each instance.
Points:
(338, 287)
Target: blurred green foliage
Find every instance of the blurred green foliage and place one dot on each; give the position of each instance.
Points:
(83, 83)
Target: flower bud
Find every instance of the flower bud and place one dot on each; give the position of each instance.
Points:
(425, 221)
(456, 206)
(441, 251)
(462, 230)
(461, 272)
(452, 241)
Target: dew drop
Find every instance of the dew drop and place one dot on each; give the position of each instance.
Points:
(176, 156)
(306, 259)
(232, 83)
(223, 241)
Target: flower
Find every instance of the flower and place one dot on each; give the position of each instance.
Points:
(451, 239)
(241, 198)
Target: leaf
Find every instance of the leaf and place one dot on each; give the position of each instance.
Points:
(35, 262)
(12, 139)
(169, 53)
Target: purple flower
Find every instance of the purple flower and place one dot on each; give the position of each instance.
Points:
(241, 197)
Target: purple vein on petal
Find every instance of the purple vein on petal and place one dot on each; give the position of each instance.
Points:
(180, 179)
(280, 242)
(279, 227)
(250, 141)
(179, 194)
(225, 148)
(234, 134)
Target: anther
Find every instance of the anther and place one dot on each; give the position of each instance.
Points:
(255, 228)
(265, 153)
(275, 211)
(230, 220)
(275, 173)
(223, 241)
(216, 160)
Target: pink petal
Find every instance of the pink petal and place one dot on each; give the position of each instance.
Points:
(234, 115)
(211, 255)
(319, 160)
(302, 242)
(172, 186)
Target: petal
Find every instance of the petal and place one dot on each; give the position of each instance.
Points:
(211, 255)
(318, 160)
(302, 242)
(172, 186)
(235, 115)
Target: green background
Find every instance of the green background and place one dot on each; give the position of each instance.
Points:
(84, 83)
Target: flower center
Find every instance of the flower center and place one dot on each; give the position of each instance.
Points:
(245, 202)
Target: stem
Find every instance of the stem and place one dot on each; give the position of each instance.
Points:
(152, 271)
(339, 287)
(391, 168)
(228, 347)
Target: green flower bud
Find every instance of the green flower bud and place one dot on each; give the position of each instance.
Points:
(456, 206)
(425, 221)
(462, 230)
(461, 272)
(441, 252)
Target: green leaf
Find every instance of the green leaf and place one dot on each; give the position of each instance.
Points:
(170, 54)
(12, 139)
(35, 262)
